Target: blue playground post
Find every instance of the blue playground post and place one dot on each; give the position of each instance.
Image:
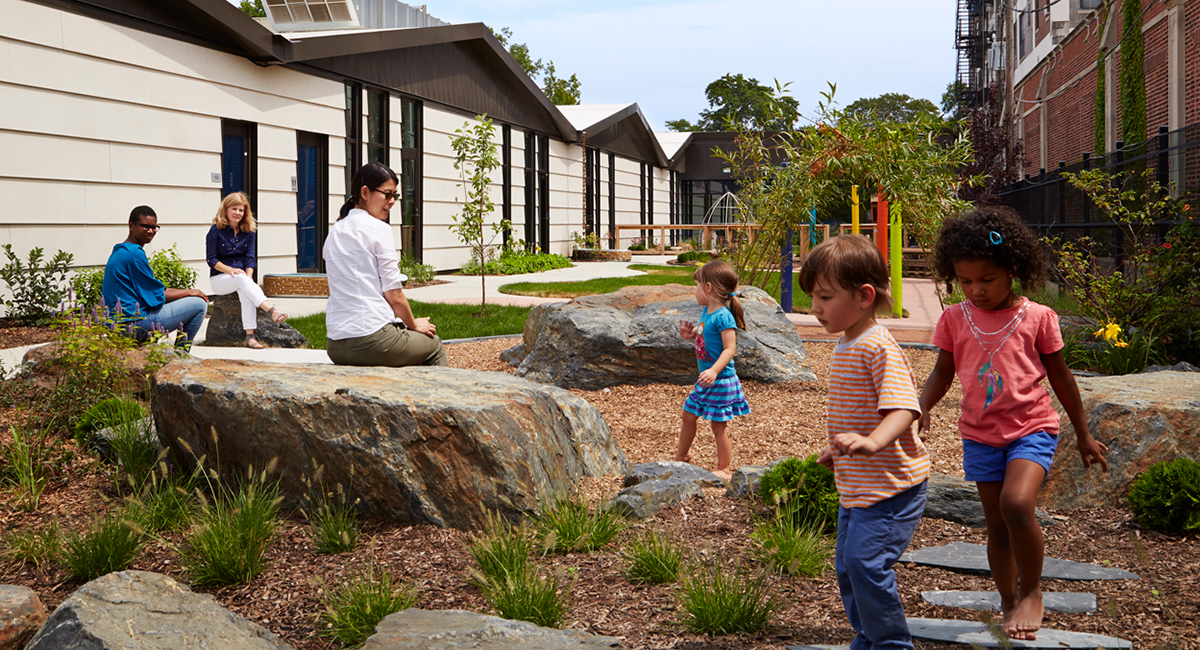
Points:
(785, 275)
(812, 228)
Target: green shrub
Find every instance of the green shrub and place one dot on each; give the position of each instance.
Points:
(417, 272)
(112, 545)
(331, 518)
(566, 525)
(166, 502)
(528, 596)
(135, 452)
(693, 256)
(653, 559)
(792, 547)
(352, 612)
(229, 544)
(502, 550)
(38, 287)
(516, 261)
(805, 488)
(107, 413)
(26, 471)
(86, 285)
(1166, 497)
(718, 599)
(34, 546)
(169, 269)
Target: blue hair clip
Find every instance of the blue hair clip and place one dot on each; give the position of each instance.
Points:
(995, 238)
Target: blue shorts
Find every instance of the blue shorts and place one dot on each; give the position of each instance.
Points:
(982, 463)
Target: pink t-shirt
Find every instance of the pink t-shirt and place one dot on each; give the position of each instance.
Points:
(1004, 401)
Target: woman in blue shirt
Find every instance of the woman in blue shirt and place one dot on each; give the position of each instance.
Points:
(231, 244)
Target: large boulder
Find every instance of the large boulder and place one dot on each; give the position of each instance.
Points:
(631, 336)
(1143, 419)
(453, 629)
(139, 610)
(21, 614)
(225, 327)
(422, 445)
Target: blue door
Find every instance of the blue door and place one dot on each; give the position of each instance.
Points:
(308, 250)
(233, 164)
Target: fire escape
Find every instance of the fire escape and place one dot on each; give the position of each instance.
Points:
(971, 42)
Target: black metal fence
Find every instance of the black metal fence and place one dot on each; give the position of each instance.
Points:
(1054, 208)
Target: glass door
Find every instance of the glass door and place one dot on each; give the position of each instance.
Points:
(312, 201)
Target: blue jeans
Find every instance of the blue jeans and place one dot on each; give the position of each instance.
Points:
(185, 315)
(869, 541)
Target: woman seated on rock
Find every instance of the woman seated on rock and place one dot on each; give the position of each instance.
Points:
(231, 256)
(368, 319)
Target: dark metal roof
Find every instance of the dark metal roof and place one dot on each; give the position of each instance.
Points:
(628, 133)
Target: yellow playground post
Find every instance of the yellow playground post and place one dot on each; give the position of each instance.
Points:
(895, 232)
(854, 209)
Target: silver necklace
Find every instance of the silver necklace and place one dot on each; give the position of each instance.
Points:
(989, 378)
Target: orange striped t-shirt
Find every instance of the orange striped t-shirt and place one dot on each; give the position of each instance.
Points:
(868, 377)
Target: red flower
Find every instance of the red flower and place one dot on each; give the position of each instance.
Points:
(1166, 245)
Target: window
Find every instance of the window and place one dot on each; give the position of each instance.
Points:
(312, 200)
(642, 197)
(1024, 36)
(377, 126)
(614, 237)
(239, 160)
(1090, 4)
(591, 197)
(411, 180)
(544, 193)
(353, 131)
(530, 190)
(506, 182)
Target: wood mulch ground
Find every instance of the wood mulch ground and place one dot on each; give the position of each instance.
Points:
(1159, 610)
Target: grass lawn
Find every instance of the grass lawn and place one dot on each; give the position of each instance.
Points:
(453, 321)
(655, 275)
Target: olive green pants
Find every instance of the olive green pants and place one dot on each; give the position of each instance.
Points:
(393, 345)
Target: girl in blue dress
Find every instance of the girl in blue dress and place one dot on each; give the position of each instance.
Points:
(717, 396)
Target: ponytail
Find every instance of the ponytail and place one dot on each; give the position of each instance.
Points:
(370, 175)
(735, 308)
(725, 281)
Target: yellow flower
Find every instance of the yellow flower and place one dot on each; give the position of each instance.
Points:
(1110, 332)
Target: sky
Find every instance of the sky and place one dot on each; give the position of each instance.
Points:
(663, 54)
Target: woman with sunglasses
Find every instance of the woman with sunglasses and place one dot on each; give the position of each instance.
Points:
(367, 319)
(231, 245)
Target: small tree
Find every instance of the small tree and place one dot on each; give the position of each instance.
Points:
(475, 158)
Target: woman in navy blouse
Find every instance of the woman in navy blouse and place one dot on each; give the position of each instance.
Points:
(231, 256)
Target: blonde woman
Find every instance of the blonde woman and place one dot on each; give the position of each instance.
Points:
(231, 244)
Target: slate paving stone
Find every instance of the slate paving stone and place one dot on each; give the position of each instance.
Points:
(665, 469)
(1065, 602)
(817, 647)
(973, 557)
(972, 632)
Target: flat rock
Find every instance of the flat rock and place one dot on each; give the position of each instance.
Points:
(1143, 419)
(954, 499)
(643, 472)
(419, 445)
(139, 610)
(453, 629)
(644, 499)
(745, 480)
(819, 646)
(631, 336)
(21, 614)
(225, 327)
(1053, 601)
(971, 632)
(973, 557)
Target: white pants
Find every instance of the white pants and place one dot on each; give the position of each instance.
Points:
(248, 291)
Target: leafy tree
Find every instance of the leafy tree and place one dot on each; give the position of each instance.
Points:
(955, 105)
(738, 102)
(996, 160)
(561, 91)
(892, 107)
(475, 159)
(252, 8)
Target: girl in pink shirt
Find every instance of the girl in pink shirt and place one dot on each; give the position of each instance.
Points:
(1001, 346)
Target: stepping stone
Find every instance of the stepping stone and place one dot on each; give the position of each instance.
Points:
(1065, 602)
(817, 647)
(972, 632)
(973, 557)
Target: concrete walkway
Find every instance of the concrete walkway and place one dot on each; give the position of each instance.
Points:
(920, 301)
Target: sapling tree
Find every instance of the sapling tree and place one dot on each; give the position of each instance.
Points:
(475, 159)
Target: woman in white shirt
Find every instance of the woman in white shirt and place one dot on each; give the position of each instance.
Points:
(368, 319)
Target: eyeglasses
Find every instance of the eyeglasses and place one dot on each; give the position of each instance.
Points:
(149, 228)
(391, 196)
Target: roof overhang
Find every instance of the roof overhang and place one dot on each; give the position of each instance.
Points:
(627, 132)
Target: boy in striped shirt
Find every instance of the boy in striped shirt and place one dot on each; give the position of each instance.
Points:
(879, 463)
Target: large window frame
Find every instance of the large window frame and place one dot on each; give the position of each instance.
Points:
(543, 173)
(530, 191)
(246, 169)
(378, 139)
(613, 236)
(354, 111)
(412, 179)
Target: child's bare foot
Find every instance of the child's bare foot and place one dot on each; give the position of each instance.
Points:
(724, 475)
(686, 458)
(1026, 619)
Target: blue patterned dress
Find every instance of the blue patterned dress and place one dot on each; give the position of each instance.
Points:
(724, 400)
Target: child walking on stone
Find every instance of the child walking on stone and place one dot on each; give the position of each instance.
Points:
(879, 464)
(717, 396)
(1001, 346)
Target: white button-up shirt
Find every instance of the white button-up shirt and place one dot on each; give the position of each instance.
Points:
(361, 264)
